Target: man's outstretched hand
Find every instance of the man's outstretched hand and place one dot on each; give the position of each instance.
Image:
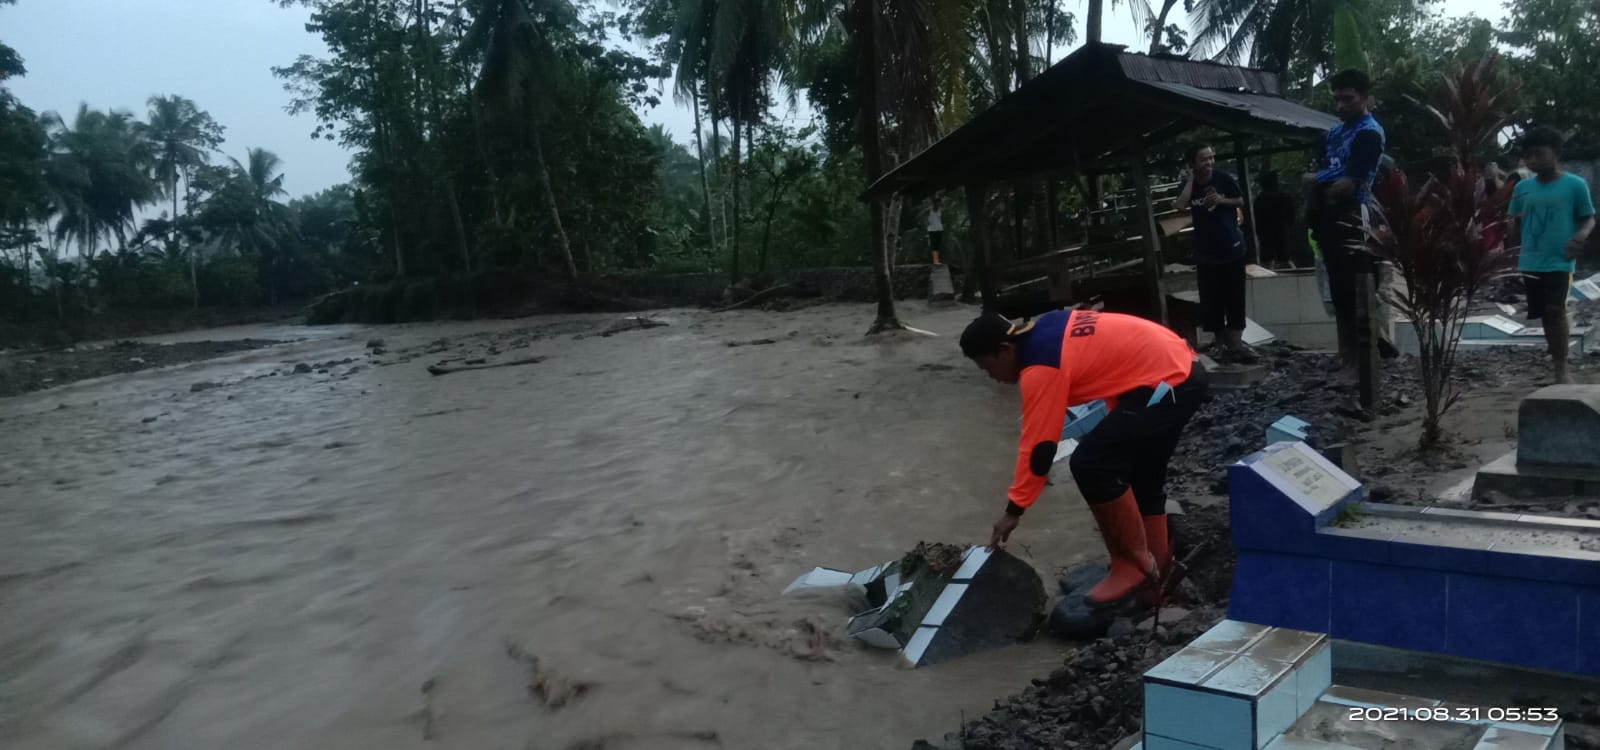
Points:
(1002, 531)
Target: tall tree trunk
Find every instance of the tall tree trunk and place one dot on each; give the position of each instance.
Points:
(865, 22)
(1050, 34)
(766, 233)
(1097, 13)
(543, 171)
(1161, 25)
(1019, 30)
(716, 157)
(733, 244)
(461, 227)
(705, 181)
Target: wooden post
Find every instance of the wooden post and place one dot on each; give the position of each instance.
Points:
(980, 243)
(1367, 340)
(1251, 246)
(1152, 235)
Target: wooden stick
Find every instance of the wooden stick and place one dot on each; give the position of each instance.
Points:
(443, 370)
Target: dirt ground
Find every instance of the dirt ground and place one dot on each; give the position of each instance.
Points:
(319, 544)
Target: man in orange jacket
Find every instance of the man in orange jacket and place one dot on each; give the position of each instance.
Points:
(1152, 383)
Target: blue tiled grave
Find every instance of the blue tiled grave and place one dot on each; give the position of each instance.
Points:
(1503, 588)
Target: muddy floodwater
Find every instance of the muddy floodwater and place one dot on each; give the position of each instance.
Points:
(582, 552)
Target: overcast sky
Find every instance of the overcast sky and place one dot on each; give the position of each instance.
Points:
(116, 54)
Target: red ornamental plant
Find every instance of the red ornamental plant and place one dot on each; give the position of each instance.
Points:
(1446, 239)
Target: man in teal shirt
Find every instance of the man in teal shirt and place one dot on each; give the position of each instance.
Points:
(1553, 213)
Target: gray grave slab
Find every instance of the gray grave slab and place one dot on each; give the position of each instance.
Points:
(1505, 476)
(1560, 426)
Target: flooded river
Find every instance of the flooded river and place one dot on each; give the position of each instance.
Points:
(585, 552)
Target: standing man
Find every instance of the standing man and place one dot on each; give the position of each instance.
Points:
(1341, 192)
(1553, 213)
(1275, 218)
(935, 231)
(1214, 199)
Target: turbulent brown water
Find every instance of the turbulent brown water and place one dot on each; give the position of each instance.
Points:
(585, 552)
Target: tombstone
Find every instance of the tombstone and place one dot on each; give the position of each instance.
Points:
(940, 286)
(932, 610)
(1558, 429)
(1516, 590)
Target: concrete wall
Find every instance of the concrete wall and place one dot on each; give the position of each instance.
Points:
(1290, 306)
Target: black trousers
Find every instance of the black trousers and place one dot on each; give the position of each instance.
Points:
(1221, 296)
(1132, 445)
(1340, 235)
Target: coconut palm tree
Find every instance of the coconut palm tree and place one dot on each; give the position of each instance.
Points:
(182, 137)
(1273, 34)
(243, 213)
(109, 149)
(519, 65)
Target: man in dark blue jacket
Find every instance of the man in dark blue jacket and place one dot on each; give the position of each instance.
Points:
(1213, 198)
(1338, 213)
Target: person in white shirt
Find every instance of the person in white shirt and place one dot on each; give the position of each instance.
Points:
(935, 232)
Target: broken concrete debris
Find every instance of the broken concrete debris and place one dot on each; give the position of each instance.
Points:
(940, 602)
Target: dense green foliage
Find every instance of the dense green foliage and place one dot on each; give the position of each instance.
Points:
(504, 137)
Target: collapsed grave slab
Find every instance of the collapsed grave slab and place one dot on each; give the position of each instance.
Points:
(939, 602)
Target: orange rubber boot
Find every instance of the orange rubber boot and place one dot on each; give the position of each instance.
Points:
(1156, 539)
(1122, 528)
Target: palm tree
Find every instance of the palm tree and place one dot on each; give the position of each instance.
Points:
(737, 48)
(1274, 33)
(108, 148)
(519, 64)
(182, 137)
(244, 213)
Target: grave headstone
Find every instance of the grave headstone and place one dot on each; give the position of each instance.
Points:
(932, 612)
(1560, 426)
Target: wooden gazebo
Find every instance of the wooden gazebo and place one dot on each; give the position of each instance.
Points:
(1102, 110)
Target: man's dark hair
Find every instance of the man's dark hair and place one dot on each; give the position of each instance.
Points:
(985, 335)
(1352, 79)
(1542, 136)
(1194, 151)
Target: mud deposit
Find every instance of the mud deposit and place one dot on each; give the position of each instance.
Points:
(584, 552)
(22, 372)
(319, 544)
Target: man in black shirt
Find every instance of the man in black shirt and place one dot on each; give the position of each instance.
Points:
(1275, 215)
(1214, 199)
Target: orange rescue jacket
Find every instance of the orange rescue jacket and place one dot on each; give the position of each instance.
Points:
(1072, 357)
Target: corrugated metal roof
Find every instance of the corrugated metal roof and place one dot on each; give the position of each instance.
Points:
(1089, 106)
(1199, 74)
(1256, 106)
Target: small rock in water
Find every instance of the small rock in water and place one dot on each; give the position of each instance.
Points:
(379, 350)
(375, 344)
(136, 360)
(204, 385)
(322, 372)
(302, 368)
(148, 420)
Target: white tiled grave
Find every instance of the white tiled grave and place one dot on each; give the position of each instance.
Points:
(1243, 686)
(1236, 687)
